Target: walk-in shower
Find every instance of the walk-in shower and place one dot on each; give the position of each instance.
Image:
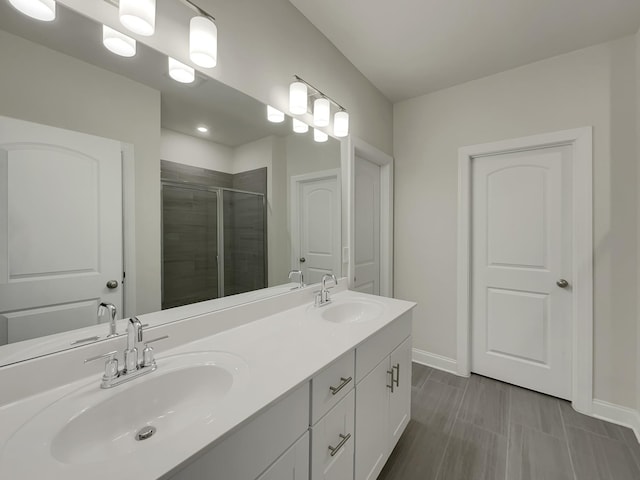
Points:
(213, 242)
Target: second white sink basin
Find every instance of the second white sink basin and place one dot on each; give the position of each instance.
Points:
(354, 311)
(92, 426)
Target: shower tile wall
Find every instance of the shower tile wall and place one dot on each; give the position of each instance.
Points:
(190, 234)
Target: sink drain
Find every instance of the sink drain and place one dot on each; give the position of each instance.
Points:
(146, 432)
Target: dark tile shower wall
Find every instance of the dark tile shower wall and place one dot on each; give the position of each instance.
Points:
(190, 235)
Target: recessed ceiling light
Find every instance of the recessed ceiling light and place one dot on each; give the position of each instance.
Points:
(203, 129)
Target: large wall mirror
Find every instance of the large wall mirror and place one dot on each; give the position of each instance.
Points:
(120, 185)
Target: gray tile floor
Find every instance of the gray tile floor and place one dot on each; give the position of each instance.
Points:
(481, 429)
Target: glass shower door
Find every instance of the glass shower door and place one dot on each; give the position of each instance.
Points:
(189, 244)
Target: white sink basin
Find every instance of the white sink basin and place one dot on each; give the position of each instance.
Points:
(352, 311)
(92, 426)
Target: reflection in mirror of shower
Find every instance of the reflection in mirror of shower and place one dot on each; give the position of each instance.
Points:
(193, 222)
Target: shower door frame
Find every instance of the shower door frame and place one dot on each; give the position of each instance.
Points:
(219, 191)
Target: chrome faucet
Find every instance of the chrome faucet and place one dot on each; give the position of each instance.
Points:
(300, 277)
(112, 312)
(322, 298)
(135, 364)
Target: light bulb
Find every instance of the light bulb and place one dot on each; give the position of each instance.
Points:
(274, 115)
(321, 112)
(139, 16)
(180, 72)
(44, 10)
(300, 127)
(319, 135)
(298, 98)
(341, 124)
(203, 42)
(203, 129)
(117, 42)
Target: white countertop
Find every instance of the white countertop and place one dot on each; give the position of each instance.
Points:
(281, 351)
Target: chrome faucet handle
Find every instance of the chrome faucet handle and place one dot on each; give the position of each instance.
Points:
(147, 354)
(134, 338)
(110, 366)
(113, 313)
(300, 277)
(329, 276)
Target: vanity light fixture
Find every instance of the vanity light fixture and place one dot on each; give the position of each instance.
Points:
(300, 91)
(139, 16)
(203, 41)
(321, 112)
(298, 98)
(341, 124)
(202, 129)
(274, 115)
(44, 10)
(320, 136)
(180, 72)
(117, 42)
(299, 126)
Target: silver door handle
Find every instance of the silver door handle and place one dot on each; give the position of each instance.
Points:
(345, 381)
(562, 283)
(302, 259)
(112, 284)
(396, 367)
(343, 440)
(390, 372)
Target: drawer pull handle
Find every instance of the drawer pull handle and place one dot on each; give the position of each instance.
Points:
(390, 372)
(344, 383)
(396, 367)
(344, 439)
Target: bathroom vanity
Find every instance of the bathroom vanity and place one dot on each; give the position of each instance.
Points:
(286, 390)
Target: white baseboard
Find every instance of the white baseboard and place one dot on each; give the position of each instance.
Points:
(627, 417)
(435, 361)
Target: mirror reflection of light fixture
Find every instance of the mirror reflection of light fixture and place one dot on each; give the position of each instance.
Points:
(180, 72)
(203, 42)
(117, 42)
(319, 135)
(203, 129)
(321, 112)
(298, 98)
(44, 10)
(341, 124)
(300, 127)
(139, 16)
(274, 115)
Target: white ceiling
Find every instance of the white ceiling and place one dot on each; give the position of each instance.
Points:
(408, 48)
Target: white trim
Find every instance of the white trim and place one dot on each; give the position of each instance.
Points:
(294, 212)
(129, 230)
(582, 332)
(625, 416)
(370, 153)
(433, 360)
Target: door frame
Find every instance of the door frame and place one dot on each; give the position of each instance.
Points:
(581, 141)
(294, 185)
(351, 147)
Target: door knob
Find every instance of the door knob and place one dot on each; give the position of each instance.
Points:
(302, 259)
(562, 283)
(112, 284)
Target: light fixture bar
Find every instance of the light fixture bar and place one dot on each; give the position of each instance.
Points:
(318, 92)
(188, 3)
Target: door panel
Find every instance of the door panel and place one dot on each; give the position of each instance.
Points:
(400, 398)
(367, 227)
(521, 320)
(60, 227)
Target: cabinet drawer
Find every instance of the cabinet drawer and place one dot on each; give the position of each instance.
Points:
(256, 445)
(332, 442)
(331, 385)
(377, 348)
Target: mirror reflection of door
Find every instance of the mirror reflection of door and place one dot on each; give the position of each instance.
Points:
(60, 229)
(316, 224)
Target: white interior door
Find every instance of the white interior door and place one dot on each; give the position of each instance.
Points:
(317, 225)
(60, 228)
(367, 226)
(521, 253)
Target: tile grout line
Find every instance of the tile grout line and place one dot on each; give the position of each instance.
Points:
(566, 440)
(455, 420)
(509, 402)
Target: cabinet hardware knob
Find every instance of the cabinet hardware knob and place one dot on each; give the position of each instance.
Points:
(396, 367)
(344, 383)
(390, 372)
(344, 439)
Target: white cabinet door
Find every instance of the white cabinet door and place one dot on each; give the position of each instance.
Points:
(333, 441)
(400, 398)
(292, 465)
(372, 421)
